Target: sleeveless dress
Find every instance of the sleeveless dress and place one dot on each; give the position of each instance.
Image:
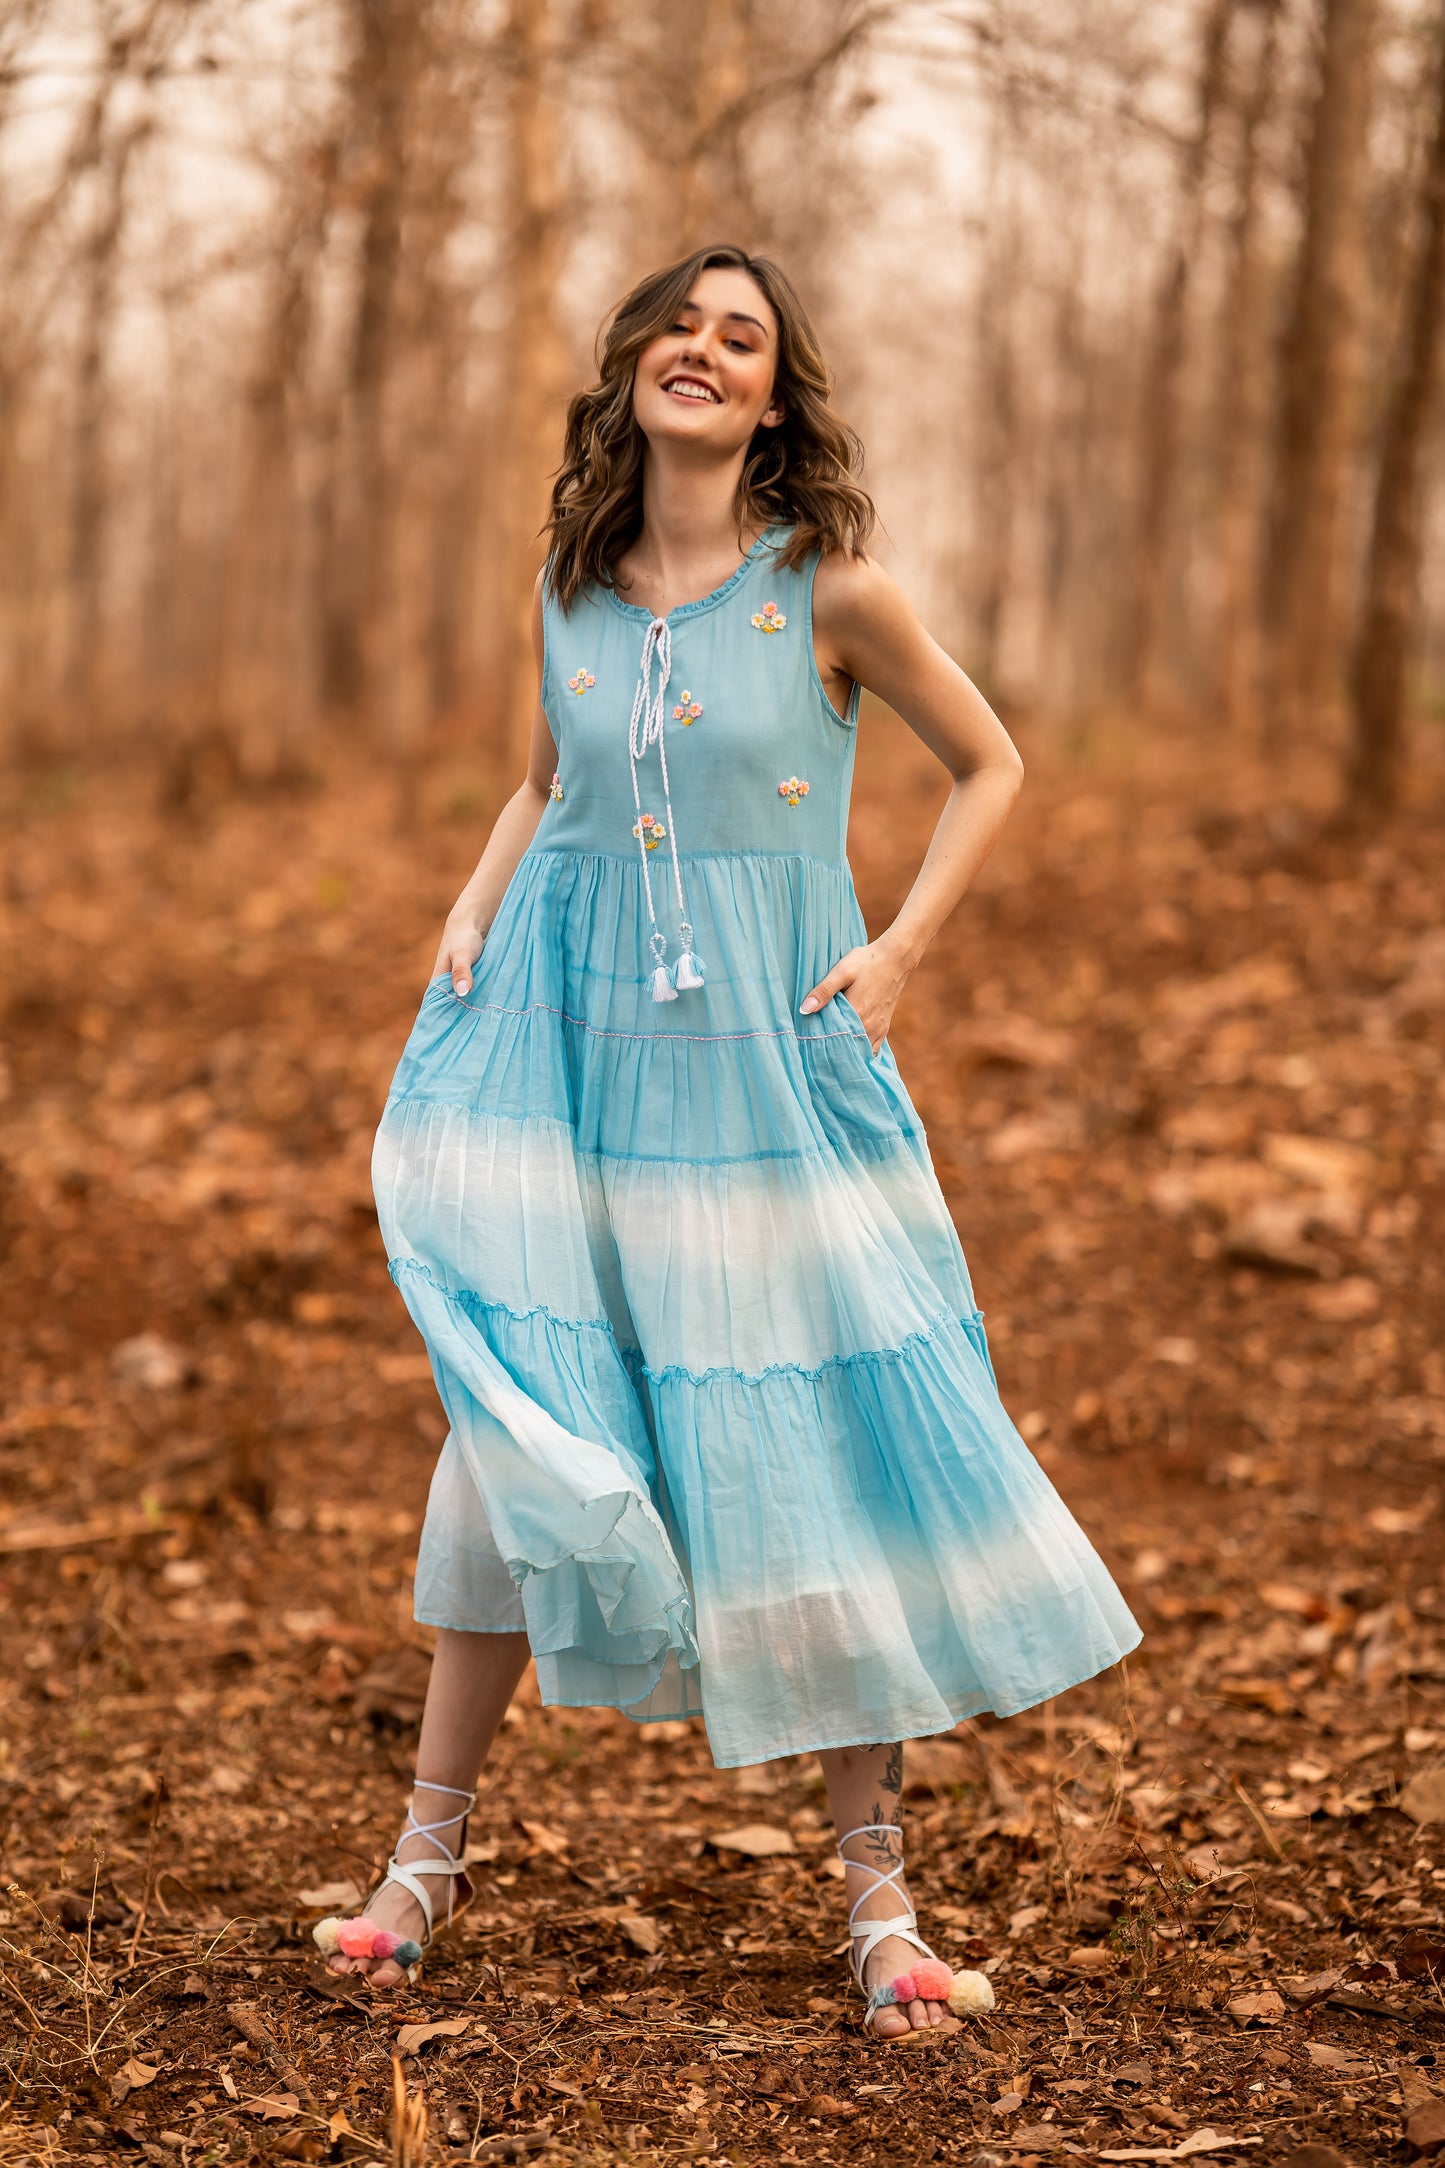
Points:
(725, 1437)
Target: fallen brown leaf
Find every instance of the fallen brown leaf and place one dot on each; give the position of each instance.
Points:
(1425, 2129)
(1326, 2057)
(543, 1838)
(641, 1932)
(1305, 1988)
(1423, 1798)
(755, 1840)
(1200, 2141)
(1265, 2008)
(329, 1896)
(271, 2107)
(130, 2077)
(412, 2038)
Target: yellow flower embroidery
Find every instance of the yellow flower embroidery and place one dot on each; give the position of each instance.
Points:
(582, 683)
(649, 830)
(769, 618)
(687, 709)
(556, 784)
(794, 789)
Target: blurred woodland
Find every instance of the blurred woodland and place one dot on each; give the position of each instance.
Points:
(1137, 304)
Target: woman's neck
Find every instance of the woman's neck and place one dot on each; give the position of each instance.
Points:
(689, 542)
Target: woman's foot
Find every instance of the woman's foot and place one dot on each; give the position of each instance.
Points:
(393, 1907)
(892, 1957)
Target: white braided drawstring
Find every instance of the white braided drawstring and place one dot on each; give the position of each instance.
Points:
(647, 727)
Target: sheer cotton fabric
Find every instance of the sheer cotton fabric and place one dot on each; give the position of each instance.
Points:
(725, 1436)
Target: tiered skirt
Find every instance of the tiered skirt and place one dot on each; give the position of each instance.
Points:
(725, 1437)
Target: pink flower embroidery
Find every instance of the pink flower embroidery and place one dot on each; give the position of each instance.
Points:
(769, 618)
(582, 683)
(687, 709)
(556, 783)
(649, 830)
(794, 789)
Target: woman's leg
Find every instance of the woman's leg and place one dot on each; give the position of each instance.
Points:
(473, 1678)
(865, 1784)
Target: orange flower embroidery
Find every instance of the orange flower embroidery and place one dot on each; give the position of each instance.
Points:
(794, 789)
(649, 830)
(769, 618)
(687, 709)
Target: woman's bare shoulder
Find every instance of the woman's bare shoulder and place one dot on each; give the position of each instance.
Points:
(855, 594)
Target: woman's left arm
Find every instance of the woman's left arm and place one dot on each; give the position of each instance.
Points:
(865, 628)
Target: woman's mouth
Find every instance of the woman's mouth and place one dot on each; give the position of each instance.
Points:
(691, 387)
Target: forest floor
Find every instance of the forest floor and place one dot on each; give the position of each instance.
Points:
(1182, 1060)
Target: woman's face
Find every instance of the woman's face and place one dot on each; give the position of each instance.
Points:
(708, 380)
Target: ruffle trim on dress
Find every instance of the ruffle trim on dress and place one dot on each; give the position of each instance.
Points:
(607, 1607)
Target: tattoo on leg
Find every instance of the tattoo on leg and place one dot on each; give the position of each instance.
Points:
(892, 1779)
(880, 1841)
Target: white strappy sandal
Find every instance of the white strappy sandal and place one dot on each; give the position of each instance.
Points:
(361, 1937)
(867, 1934)
(930, 1980)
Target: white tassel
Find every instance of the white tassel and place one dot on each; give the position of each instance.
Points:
(688, 972)
(662, 986)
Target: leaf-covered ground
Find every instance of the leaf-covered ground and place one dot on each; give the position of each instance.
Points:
(1180, 1056)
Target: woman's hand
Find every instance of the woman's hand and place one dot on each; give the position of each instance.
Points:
(461, 945)
(873, 977)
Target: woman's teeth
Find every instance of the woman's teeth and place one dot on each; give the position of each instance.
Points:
(694, 391)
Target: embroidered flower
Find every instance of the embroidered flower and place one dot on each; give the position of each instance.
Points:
(769, 618)
(556, 783)
(649, 829)
(582, 683)
(794, 789)
(687, 709)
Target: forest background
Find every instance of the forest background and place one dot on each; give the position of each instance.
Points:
(1137, 306)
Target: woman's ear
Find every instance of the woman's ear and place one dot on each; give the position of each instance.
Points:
(776, 413)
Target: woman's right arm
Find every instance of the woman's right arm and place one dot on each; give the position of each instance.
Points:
(470, 917)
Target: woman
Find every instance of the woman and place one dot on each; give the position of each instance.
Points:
(725, 1436)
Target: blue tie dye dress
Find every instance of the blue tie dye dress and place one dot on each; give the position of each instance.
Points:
(725, 1437)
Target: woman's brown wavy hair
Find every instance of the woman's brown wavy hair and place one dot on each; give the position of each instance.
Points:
(802, 474)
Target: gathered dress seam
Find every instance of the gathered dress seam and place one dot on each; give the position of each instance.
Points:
(625, 1349)
(603, 1031)
(825, 1155)
(627, 858)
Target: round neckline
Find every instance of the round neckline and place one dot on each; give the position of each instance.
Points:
(640, 613)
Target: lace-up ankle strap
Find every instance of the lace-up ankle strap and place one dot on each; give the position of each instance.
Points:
(867, 1934)
(414, 1828)
(412, 1874)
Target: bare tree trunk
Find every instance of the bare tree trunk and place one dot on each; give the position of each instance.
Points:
(1391, 602)
(1318, 381)
(998, 435)
(263, 677)
(1160, 437)
(89, 494)
(532, 445)
(1239, 402)
(388, 37)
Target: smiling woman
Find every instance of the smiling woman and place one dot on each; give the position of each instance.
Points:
(725, 1438)
(713, 353)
